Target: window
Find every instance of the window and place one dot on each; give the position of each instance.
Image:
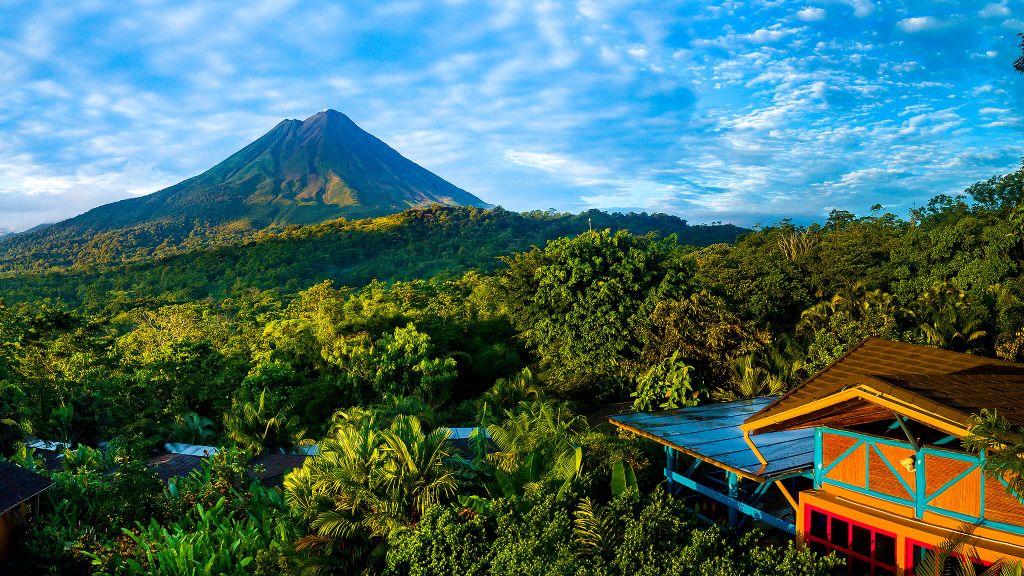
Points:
(918, 551)
(868, 551)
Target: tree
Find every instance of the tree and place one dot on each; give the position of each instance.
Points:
(1018, 64)
(261, 424)
(14, 422)
(367, 483)
(665, 386)
(999, 194)
(582, 302)
(855, 313)
(398, 363)
(703, 331)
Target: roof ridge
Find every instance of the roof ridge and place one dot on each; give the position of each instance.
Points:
(947, 382)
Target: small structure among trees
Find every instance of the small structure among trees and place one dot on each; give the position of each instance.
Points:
(19, 496)
(875, 439)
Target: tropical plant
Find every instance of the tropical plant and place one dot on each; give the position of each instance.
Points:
(749, 381)
(1003, 445)
(85, 458)
(506, 394)
(262, 424)
(365, 484)
(191, 428)
(214, 542)
(665, 386)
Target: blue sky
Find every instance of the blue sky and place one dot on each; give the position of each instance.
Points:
(739, 111)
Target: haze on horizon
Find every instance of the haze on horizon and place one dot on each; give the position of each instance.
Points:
(736, 111)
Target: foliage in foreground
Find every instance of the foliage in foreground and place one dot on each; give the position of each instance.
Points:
(562, 534)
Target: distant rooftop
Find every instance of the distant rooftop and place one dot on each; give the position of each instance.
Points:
(18, 485)
(190, 449)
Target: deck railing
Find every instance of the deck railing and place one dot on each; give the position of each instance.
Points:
(929, 479)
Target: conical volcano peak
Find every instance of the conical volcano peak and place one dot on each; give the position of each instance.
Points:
(328, 113)
(329, 121)
(300, 172)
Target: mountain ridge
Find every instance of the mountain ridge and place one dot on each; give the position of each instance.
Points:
(414, 244)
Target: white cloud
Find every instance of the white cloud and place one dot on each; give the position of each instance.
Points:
(769, 35)
(993, 10)
(32, 193)
(862, 8)
(920, 24)
(580, 173)
(906, 67)
(811, 14)
(930, 123)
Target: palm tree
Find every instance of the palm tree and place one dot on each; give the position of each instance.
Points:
(262, 424)
(950, 321)
(856, 301)
(536, 443)
(749, 381)
(366, 483)
(192, 428)
(507, 394)
(956, 557)
(383, 413)
(785, 359)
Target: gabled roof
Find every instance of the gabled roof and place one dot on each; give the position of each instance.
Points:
(18, 485)
(711, 433)
(878, 377)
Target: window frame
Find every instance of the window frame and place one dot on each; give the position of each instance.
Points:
(911, 558)
(876, 565)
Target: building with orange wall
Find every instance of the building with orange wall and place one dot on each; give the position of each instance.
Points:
(866, 456)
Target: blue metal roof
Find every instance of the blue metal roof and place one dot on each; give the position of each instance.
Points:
(712, 434)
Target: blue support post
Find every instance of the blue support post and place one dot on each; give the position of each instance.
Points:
(920, 485)
(759, 493)
(981, 493)
(670, 468)
(734, 492)
(747, 509)
(692, 469)
(817, 459)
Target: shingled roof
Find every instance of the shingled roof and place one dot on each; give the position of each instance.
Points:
(950, 385)
(18, 485)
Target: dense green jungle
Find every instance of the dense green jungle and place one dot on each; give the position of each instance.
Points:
(445, 318)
